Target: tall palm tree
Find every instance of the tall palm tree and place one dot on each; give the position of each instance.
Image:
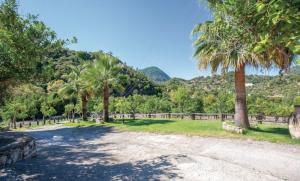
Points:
(102, 73)
(77, 87)
(237, 38)
(215, 50)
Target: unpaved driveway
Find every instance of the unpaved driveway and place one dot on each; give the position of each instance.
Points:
(102, 153)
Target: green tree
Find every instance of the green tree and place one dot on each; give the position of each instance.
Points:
(47, 110)
(53, 97)
(297, 100)
(122, 105)
(76, 86)
(70, 110)
(13, 110)
(247, 33)
(164, 105)
(134, 101)
(149, 105)
(180, 97)
(101, 73)
(24, 43)
(194, 105)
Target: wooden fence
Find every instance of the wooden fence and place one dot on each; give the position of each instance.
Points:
(38, 122)
(189, 116)
(205, 116)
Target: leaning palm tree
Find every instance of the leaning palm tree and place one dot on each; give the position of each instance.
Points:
(77, 87)
(101, 73)
(236, 39)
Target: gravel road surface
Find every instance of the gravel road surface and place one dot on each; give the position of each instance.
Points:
(103, 153)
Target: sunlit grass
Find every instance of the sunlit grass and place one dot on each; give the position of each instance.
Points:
(275, 133)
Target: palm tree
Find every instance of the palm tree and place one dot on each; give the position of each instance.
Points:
(77, 87)
(215, 50)
(101, 74)
(233, 40)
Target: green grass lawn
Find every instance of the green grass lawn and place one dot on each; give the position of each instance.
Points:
(265, 132)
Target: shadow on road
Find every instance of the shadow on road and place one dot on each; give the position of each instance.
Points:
(71, 154)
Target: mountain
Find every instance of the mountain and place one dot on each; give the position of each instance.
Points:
(156, 74)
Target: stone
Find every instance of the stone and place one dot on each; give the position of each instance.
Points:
(232, 128)
(294, 123)
(22, 148)
(294, 127)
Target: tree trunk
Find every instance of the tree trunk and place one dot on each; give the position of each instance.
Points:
(73, 117)
(14, 122)
(241, 115)
(105, 101)
(37, 121)
(84, 107)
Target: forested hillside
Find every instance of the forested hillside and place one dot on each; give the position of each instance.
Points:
(272, 95)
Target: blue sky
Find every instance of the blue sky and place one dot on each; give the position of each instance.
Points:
(141, 33)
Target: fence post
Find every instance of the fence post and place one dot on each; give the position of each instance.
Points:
(221, 117)
(193, 116)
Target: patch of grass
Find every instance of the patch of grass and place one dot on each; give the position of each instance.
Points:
(172, 126)
(272, 133)
(275, 133)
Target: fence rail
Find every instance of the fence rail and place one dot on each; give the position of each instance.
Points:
(37, 122)
(190, 116)
(205, 116)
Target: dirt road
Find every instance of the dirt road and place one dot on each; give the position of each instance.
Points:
(102, 153)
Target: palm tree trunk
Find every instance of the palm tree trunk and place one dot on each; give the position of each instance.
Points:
(241, 115)
(105, 101)
(84, 107)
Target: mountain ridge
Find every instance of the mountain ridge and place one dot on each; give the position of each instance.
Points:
(156, 74)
